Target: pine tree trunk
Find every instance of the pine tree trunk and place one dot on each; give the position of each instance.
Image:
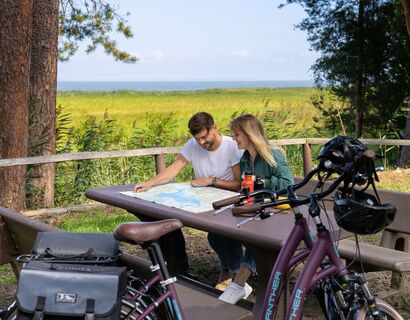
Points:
(15, 33)
(404, 160)
(359, 99)
(42, 102)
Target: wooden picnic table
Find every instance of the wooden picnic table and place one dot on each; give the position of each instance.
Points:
(264, 238)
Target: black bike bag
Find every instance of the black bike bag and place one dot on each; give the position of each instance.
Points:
(70, 291)
(76, 247)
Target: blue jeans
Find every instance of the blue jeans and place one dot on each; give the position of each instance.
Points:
(230, 253)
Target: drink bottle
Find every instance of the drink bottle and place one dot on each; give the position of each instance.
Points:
(258, 185)
(248, 182)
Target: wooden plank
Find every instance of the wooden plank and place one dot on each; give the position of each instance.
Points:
(87, 156)
(166, 150)
(23, 229)
(284, 142)
(70, 209)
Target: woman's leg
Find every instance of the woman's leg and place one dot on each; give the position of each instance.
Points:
(228, 251)
(239, 288)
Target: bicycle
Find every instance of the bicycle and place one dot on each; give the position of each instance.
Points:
(341, 294)
(141, 299)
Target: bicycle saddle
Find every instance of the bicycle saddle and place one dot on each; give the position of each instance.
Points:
(140, 232)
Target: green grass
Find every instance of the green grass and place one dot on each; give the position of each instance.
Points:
(96, 221)
(6, 275)
(129, 106)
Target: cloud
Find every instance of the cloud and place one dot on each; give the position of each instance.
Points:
(240, 54)
(156, 55)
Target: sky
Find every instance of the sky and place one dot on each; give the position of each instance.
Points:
(209, 40)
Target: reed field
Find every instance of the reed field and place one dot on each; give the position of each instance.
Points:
(130, 107)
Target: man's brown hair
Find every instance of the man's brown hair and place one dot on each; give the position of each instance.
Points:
(199, 122)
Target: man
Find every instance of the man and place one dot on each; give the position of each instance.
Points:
(215, 160)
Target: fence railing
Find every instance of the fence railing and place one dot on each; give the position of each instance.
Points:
(159, 153)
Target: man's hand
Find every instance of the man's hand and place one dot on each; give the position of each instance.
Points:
(142, 186)
(202, 182)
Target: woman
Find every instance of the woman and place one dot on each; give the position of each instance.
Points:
(268, 163)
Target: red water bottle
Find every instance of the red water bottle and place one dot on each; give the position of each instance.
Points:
(248, 182)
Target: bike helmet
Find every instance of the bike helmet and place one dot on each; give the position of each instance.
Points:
(362, 213)
(339, 151)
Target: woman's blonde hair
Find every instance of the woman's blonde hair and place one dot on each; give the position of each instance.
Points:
(252, 128)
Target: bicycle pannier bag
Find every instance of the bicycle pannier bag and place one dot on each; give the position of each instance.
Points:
(70, 291)
(76, 247)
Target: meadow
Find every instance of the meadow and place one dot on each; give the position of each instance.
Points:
(129, 108)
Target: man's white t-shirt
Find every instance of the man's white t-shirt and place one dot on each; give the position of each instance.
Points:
(217, 163)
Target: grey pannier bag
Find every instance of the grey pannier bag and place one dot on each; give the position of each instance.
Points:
(76, 247)
(70, 291)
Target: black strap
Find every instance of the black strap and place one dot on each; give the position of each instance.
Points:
(39, 312)
(90, 310)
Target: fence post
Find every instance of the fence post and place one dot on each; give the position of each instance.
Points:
(307, 158)
(159, 163)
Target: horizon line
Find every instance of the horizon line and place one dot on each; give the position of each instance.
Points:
(188, 80)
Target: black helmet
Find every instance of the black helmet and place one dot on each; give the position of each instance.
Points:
(340, 151)
(362, 213)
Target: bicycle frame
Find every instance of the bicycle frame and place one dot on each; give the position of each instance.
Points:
(285, 261)
(287, 258)
(161, 277)
(310, 275)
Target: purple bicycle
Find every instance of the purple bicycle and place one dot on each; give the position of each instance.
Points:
(342, 294)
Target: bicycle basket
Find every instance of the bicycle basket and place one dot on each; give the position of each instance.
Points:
(362, 213)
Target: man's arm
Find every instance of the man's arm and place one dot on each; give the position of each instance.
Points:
(167, 175)
(233, 185)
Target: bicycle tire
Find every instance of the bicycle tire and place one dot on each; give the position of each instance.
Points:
(332, 311)
(386, 310)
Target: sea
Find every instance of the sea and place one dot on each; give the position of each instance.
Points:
(175, 85)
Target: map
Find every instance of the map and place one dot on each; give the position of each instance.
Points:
(183, 196)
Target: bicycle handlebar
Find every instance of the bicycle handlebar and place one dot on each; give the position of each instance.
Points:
(226, 202)
(237, 199)
(237, 211)
(292, 202)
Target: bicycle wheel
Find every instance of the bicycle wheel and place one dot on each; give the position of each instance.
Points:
(386, 310)
(10, 313)
(331, 308)
(133, 307)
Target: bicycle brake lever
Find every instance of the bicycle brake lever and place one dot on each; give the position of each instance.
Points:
(240, 224)
(260, 216)
(223, 209)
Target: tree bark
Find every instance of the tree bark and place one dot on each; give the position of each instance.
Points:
(359, 99)
(15, 33)
(404, 160)
(42, 101)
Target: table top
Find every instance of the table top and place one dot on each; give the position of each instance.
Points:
(268, 233)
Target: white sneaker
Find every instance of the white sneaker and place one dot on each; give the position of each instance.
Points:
(234, 292)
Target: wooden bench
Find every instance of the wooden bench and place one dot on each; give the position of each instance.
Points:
(393, 252)
(199, 302)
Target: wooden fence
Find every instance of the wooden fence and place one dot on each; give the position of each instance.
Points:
(159, 153)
